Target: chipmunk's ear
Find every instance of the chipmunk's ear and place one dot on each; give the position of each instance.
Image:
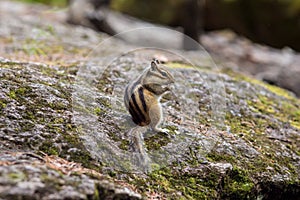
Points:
(154, 64)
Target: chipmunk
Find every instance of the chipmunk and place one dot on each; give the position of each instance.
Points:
(142, 96)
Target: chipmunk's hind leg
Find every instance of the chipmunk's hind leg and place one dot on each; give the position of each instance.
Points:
(156, 116)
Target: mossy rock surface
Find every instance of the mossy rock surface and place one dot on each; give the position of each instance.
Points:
(238, 139)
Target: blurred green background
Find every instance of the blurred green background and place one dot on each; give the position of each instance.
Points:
(58, 3)
(272, 22)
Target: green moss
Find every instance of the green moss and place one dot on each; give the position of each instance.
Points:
(237, 185)
(73, 141)
(26, 126)
(176, 185)
(96, 193)
(293, 113)
(124, 144)
(176, 65)
(29, 115)
(172, 130)
(16, 176)
(60, 135)
(156, 141)
(11, 64)
(272, 88)
(284, 111)
(2, 105)
(19, 94)
(104, 102)
(58, 120)
(21, 91)
(82, 155)
(43, 49)
(98, 111)
(60, 3)
(12, 94)
(217, 157)
(246, 124)
(276, 90)
(48, 148)
(57, 106)
(34, 47)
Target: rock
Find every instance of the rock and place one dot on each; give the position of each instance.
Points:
(65, 133)
(27, 176)
(278, 67)
(286, 77)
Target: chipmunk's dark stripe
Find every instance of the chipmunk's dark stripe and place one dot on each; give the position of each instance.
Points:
(138, 113)
(149, 88)
(134, 115)
(131, 102)
(142, 98)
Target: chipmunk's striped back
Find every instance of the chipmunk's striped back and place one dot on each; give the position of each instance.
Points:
(143, 93)
(136, 104)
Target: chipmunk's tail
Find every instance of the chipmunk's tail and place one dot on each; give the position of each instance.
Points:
(137, 142)
(136, 135)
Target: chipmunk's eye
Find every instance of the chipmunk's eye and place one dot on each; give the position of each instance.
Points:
(164, 74)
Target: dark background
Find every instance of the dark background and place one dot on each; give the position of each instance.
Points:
(272, 22)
